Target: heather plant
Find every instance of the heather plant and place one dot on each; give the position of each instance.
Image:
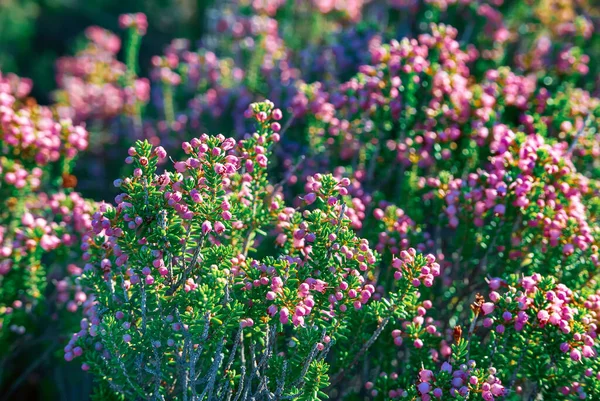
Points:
(96, 89)
(455, 147)
(263, 51)
(41, 222)
(209, 88)
(552, 38)
(201, 240)
(93, 84)
(392, 111)
(207, 286)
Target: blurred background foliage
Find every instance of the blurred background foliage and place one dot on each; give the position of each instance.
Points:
(34, 33)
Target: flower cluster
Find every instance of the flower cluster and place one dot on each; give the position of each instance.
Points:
(557, 312)
(31, 137)
(461, 381)
(94, 84)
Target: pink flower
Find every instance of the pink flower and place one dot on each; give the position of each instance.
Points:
(206, 227)
(284, 315)
(497, 389)
(277, 114)
(425, 375)
(487, 308)
(310, 198)
(543, 316)
(219, 227)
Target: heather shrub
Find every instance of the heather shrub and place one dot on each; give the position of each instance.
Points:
(209, 229)
(207, 286)
(41, 222)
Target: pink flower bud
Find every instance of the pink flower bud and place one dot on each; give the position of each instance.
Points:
(310, 198)
(219, 227)
(487, 308)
